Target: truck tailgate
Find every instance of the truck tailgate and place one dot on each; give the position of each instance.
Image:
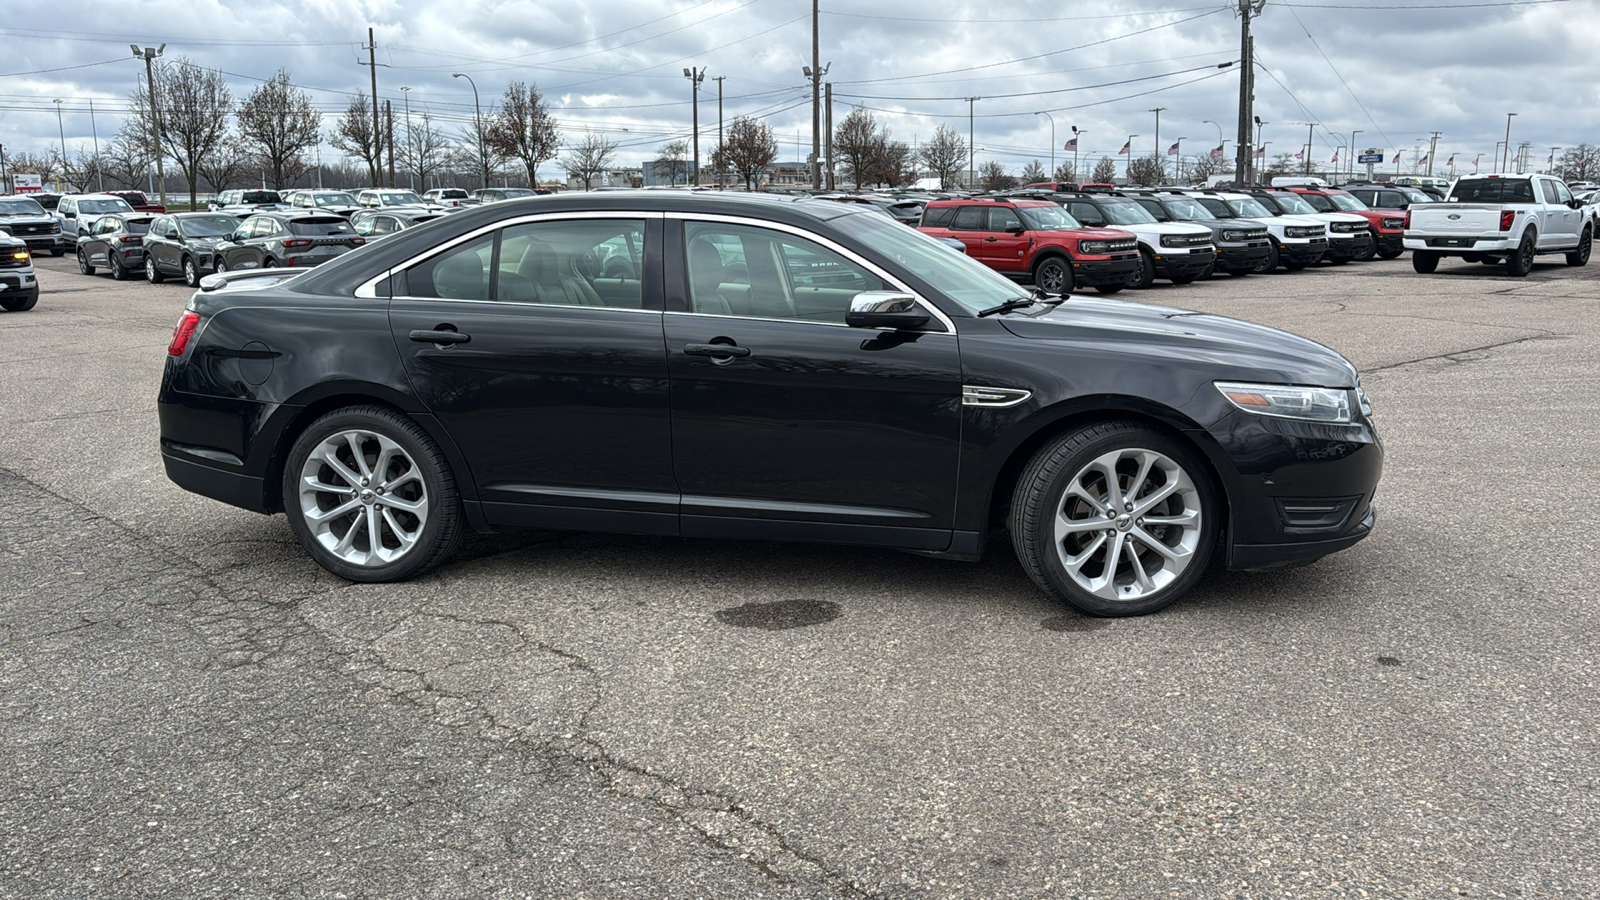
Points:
(1455, 218)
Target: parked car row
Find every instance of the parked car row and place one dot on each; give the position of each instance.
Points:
(192, 245)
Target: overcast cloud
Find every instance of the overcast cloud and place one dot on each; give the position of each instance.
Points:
(615, 67)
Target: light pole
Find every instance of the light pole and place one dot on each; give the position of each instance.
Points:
(477, 125)
(1260, 147)
(1052, 142)
(1177, 157)
(1353, 153)
(971, 160)
(411, 146)
(99, 168)
(149, 55)
(63, 131)
(1508, 142)
(1077, 136)
(696, 76)
(1156, 154)
(1127, 171)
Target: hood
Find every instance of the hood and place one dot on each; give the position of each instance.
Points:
(1292, 220)
(1169, 228)
(1100, 234)
(1238, 350)
(27, 217)
(1339, 217)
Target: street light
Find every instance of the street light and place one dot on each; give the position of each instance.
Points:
(1508, 142)
(411, 145)
(149, 55)
(1353, 153)
(477, 125)
(696, 76)
(815, 75)
(1052, 142)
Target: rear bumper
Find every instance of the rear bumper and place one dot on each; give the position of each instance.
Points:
(1461, 243)
(1114, 270)
(233, 488)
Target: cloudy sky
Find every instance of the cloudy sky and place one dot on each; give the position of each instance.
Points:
(1396, 70)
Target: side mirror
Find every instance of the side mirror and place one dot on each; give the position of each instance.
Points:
(1575, 203)
(1017, 230)
(885, 309)
(237, 236)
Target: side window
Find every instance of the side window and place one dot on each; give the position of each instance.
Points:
(263, 227)
(969, 218)
(1088, 214)
(364, 225)
(460, 273)
(1003, 218)
(781, 276)
(1563, 196)
(1550, 195)
(1155, 209)
(563, 263)
(384, 225)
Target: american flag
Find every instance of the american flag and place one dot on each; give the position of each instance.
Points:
(1300, 156)
(1124, 150)
(1071, 145)
(1261, 152)
(1423, 160)
(1173, 150)
(1216, 152)
(1335, 157)
(1550, 160)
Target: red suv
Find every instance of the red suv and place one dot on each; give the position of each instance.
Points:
(1388, 225)
(1037, 241)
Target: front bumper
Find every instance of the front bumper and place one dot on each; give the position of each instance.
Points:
(1308, 252)
(16, 282)
(1391, 241)
(1180, 265)
(1241, 257)
(1116, 269)
(1273, 556)
(1355, 245)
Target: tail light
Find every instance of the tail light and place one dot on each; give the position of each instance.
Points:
(297, 242)
(182, 332)
(1407, 225)
(131, 238)
(357, 241)
(1506, 217)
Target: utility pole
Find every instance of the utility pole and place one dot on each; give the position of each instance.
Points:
(410, 142)
(1247, 90)
(1433, 149)
(827, 134)
(696, 76)
(99, 168)
(816, 99)
(377, 123)
(1311, 134)
(149, 55)
(1552, 161)
(970, 159)
(720, 156)
(1160, 163)
(388, 112)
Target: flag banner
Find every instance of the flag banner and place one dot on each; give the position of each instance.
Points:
(1262, 152)
(1451, 161)
(1301, 156)
(1335, 157)
(1173, 150)
(1216, 152)
(1550, 160)
(1071, 145)
(1124, 150)
(1423, 160)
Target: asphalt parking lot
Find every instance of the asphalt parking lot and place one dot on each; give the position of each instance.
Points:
(190, 707)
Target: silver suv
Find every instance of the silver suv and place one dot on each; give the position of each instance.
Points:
(77, 212)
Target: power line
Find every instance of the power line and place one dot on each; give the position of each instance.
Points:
(65, 68)
(989, 21)
(1338, 75)
(1085, 87)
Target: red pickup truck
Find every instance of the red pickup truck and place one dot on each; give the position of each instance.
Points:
(138, 201)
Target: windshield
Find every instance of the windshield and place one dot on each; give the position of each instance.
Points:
(400, 198)
(1047, 218)
(1187, 210)
(1127, 214)
(962, 278)
(339, 199)
(1318, 202)
(1348, 203)
(104, 206)
(1294, 205)
(208, 226)
(20, 208)
(1248, 208)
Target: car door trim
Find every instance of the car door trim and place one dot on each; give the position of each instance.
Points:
(368, 290)
(825, 241)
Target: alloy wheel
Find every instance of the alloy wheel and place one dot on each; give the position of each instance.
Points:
(1128, 524)
(363, 498)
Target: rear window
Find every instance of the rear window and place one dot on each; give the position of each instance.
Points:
(135, 226)
(260, 197)
(321, 226)
(1492, 190)
(453, 194)
(133, 197)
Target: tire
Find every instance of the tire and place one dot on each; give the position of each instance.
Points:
(20, 304)
(1053, 275)
(1371, 251)
(1109, 288)
(119, 272)
(57, 252)
(1580, 256)
(191, 272)
(83, 263)
(1067, 540)
(323, 475)
(269, 263)
(1269, 264)
(221, 264)
(1424, 261)
(1520, 263)
(1390, 254)
(151, 273)
(1146, 275)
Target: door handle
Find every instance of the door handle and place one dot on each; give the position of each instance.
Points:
(440, 337)
(726, 351)
(991, 239)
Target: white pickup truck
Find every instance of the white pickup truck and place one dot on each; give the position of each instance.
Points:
(1500, 218)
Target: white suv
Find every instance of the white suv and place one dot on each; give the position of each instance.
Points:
(1349, 235)
(1177, 251)
(1297, 241)
(76, 212)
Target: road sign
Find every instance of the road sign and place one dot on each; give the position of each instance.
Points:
(1370, 158)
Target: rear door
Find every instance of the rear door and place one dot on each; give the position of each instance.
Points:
(555, 397)
(970, 226)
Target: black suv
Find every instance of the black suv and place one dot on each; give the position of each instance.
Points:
(293, 239)
(766, 368)
(185, 244)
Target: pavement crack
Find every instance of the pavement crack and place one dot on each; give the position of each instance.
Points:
(1456, 356)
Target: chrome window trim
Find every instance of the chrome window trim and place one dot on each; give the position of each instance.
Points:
(826, 242)
(368, 290)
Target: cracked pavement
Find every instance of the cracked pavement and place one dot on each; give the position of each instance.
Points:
(189, 707)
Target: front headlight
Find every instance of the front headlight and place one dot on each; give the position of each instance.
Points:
(1395, 222)
(1311, 404)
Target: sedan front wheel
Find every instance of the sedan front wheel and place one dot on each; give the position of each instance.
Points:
(1116, 519)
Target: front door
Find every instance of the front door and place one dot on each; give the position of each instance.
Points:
(787, 423)
(1008, 245)
(555, 395)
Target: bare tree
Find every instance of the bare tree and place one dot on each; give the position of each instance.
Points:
(1032, 172)
(40, 164)
(945, 156)
(1145, 170)
(672, 163)
(748, 149)
(1581, 163)
(1105, 171)
(126, 162)
(522, 128)
(588, 158)
(277, 118)
(994, 178)
(855, 142)
(1065, 172)
(195, 105)
(354, 134)
(889, 162)
(1282, 164)
(79, 169)
(226, 165)
(425, 151)
(1205, 165)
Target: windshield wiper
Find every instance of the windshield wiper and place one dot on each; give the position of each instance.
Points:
(1012, 305)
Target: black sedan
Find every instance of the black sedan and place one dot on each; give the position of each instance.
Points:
(771, 368)
(185, 245)
(290, 239)
(115, 242)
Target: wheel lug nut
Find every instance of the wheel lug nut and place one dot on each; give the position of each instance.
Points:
(1128, 507)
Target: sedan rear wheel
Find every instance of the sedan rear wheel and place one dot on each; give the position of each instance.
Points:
(1116, 519)
(370, 496)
